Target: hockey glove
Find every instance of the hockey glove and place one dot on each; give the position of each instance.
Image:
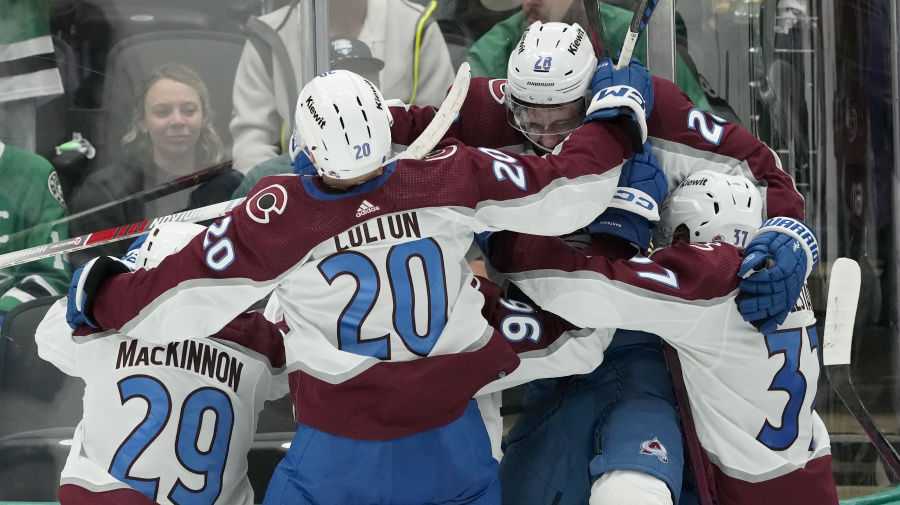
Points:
(85, 283)
(484, 242)
(776, 263)
(624, 95)
(303, 165)
(642, 186)
(130, 256)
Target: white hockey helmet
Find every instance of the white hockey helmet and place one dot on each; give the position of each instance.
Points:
(166, 239)
(552, 64)
(710, 207)
(548, 76)
(342, 121)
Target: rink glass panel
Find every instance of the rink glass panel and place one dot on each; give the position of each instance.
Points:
(815, 79)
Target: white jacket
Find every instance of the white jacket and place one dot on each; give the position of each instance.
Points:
(263, 105)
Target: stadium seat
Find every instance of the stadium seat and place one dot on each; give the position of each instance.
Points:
(213, 55)
(31, 462)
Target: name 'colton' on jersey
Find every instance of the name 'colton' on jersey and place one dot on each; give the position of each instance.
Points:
(195, 356)
(396, 226)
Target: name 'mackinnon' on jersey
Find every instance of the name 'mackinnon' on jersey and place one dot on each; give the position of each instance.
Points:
(190, 355)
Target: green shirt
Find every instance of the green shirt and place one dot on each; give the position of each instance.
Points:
(489, 56)
(276, 166)
(27, 51)
(30, 195)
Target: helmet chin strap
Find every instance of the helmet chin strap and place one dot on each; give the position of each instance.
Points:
(538, 148)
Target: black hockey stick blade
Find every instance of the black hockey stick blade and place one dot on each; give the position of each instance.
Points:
(147, 195)
(642, 13)
(595, 28)
(840, 315)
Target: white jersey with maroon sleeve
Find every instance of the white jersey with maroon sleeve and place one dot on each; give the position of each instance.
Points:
(751, 395)
(173, 422)
(685, 139)
(373, 274)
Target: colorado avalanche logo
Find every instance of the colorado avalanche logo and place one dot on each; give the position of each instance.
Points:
(441, 154)
(718, 238)
(271, 199)
(655, 448)
(498, 89)
(342, 46)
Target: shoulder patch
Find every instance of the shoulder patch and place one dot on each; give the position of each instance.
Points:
(55, 188)
(270, 199)
(441, 154)
(497, 88)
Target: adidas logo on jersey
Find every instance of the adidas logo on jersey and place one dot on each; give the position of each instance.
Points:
(365, 208)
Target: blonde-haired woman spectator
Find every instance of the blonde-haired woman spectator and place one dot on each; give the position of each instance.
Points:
(170, 136)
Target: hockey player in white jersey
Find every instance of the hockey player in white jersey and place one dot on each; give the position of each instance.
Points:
(367, 260)
(544, 100)
(751, 395)
(167, 424)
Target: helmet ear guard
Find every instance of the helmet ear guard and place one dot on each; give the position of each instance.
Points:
(343, 122)
(166, 239)
(710, 206)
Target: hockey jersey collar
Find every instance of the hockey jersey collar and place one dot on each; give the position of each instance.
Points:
(312, 185)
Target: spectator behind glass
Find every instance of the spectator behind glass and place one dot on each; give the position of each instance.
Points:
(489, 56)
(170, 136)
(264, 100)
(29, 76)
(346, 54)
(30, 199)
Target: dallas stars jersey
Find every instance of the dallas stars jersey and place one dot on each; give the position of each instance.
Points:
(685, 139)
(751, 395)
(172, 422)
(26, 51)
(374, 274)
(30, 195)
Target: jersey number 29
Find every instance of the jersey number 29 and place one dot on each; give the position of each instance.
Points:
(208, 461)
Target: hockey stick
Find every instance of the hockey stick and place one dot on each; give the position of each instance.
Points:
(693, 449)
(595, 28)
(641, 16)
(840, 315)
(446, 115)
(133, 230)
(419, 148)
(165, 189)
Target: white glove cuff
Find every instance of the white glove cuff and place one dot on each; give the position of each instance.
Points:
(615, 97)
(636, 202)
(797, 229)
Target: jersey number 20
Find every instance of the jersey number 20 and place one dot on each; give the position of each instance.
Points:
(368, 283)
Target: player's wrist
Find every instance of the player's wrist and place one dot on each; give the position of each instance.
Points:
(626, 225)
(799, 230)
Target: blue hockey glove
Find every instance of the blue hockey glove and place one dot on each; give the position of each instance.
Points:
(776, 264)
(642, 186)
(484, 242)
(625, 95)
(85, 283)
(130, 256)
(303, 165)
